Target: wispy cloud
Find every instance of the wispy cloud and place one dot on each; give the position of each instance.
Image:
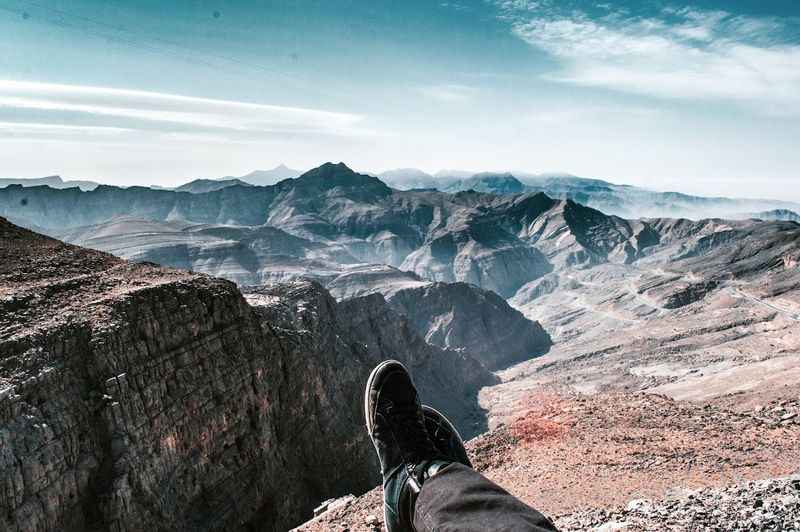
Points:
(449, 93)
(684, 52)
(583, 113)
(44, 107)
(455, 6)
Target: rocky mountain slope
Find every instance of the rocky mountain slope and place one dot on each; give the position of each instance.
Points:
(450, 315)
(776, 214)
(464, 317)
(458, 316)
(570, 267)
(246, 255)
(362, 280)
(134, 396)
(201, 186)
(410, 178)
(712, 310)
(256, 178)
(332, 217)
(487, 182)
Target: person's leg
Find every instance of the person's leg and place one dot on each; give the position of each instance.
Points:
(458, 498)
(417, 445)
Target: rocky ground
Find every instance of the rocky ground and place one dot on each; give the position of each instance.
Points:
(612, 331)
(583, 459)
(768, 505)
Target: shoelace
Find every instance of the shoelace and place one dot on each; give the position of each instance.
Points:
(409, 431)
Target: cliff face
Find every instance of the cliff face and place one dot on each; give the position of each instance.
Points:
(136, 397)
(462, 316)
(447, 379)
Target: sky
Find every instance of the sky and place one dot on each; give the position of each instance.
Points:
(700, 97)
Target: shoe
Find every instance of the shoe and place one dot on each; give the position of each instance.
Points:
(444, 436)
(396, 425)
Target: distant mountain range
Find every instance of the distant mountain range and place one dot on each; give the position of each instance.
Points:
(196, 186)
(52, 181)
(332, 219)
(777, 214)
(258, 178)
(201, 186)
(269, 177)
(621, 200)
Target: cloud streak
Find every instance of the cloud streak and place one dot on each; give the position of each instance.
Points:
(684, 53)
(577, 113)
(37, 106)
(449, 93)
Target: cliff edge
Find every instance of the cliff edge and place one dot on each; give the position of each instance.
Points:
(137, 397)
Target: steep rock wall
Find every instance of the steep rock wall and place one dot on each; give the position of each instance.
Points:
(465, 317)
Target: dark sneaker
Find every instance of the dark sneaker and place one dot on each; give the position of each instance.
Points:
(445, 436)
(407, 455)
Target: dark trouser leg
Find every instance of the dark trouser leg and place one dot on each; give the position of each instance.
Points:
(460, 499)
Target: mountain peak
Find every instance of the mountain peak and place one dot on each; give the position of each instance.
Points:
(200, 186)
(340, 166)
(269, 177)
(494, 183)
(334, 174)
(409, 178)
(405, 172)
(494, 175)
(331, 175)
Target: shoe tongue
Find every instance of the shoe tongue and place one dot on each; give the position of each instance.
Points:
(399, 389)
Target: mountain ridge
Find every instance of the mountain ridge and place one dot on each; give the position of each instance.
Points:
(54, 181)
(201, 186)
(336, 219)
(624, 200)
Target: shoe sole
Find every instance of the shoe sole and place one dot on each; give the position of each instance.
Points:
(370, 380)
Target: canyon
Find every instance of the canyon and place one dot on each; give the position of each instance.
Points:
(134, 396)
(195, 360)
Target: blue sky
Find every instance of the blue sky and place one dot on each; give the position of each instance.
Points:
(702, 97)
